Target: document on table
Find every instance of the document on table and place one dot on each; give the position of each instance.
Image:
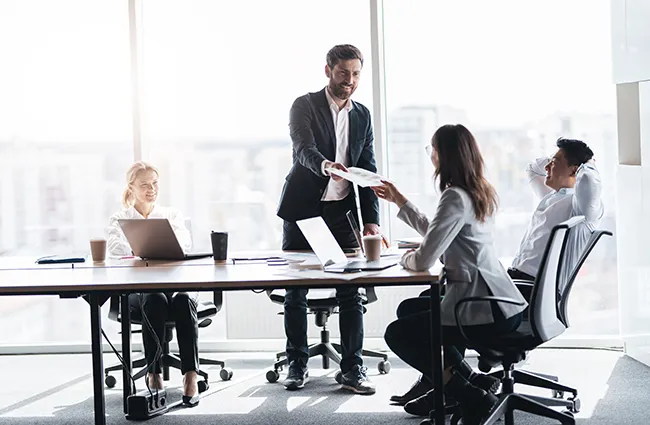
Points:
(363, 178)
(319, 274)
(413, 242)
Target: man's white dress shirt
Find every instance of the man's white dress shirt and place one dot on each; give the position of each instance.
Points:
(336, 191)
(556, 207)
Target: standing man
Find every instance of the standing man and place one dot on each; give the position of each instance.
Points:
(328, 130)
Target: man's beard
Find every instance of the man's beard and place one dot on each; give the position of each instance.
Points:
(338, 90)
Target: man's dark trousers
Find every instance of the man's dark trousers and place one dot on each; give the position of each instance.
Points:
(349, 300)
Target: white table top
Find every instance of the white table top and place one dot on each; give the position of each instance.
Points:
(202, 275)
(26, 262)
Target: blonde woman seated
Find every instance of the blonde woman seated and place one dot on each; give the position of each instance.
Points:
(139, 201)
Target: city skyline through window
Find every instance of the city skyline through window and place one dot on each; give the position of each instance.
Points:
(217, 82)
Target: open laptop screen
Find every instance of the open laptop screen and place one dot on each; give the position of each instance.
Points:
(355, 229)
(322, 241)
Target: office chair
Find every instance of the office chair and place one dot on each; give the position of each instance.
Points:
(543, 324)
(550, 381)
(322, 309)
(206, 310)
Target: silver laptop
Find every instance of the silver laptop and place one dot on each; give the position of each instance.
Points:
(154, 239)
(330, 254)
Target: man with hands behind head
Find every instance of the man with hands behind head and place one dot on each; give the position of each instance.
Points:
(569, 185)
(329, 130)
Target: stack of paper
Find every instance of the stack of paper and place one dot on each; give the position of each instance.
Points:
(310, 264)
(407, 243)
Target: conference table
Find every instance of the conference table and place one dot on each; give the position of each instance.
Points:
(97, 282)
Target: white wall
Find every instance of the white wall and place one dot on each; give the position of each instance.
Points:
(631, 73)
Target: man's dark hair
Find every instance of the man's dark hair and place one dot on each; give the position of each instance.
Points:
(343, 52)
(576, 151)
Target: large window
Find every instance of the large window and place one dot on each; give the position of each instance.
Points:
(519, 75)
(216, 81)
(219, 79)
(65, 143)
(218, 85)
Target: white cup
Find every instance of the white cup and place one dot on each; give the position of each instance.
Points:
(372, 247)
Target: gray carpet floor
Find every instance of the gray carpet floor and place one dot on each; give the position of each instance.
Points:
(56, 389)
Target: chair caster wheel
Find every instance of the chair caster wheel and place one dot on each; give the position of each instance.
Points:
(568, 413)
(272, 376)
(558, 394)
(225, 374)
(455, 418)
(576, 405)
(338, 377)
(110, 381)
(203, 386)
(383, 367)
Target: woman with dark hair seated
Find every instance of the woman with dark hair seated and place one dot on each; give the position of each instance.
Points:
(461, 232)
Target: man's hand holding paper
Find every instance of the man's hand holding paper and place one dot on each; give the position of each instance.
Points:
(359, 176)
(337, 166)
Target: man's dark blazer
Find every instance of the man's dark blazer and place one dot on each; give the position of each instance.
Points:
(314, 140)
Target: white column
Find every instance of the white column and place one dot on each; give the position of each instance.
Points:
(379, 100)
(135, 31)
(631, 73)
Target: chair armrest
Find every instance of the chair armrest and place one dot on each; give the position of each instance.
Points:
(525, 287)
(371, 295)
(472, 299)
(276, 298)
(114, 308)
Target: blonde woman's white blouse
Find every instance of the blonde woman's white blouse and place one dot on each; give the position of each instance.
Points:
(118, 245)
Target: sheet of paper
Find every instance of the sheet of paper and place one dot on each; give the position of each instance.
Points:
(309, 264)
(363, 178)
(319, 274)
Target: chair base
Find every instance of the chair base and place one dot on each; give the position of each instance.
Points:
(169, 360)
(508, 403)
(539, 380)
(329, 352)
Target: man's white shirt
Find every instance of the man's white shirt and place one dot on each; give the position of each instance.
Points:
(554, 208)
(336, 191)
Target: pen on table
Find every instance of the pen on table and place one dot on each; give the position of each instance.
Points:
(234, 260)
(127, 257)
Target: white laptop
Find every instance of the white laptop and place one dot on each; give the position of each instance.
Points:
(330, 254)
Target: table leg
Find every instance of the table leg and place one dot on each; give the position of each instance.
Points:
(98, 362)
(438, 414)
(125, 317)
